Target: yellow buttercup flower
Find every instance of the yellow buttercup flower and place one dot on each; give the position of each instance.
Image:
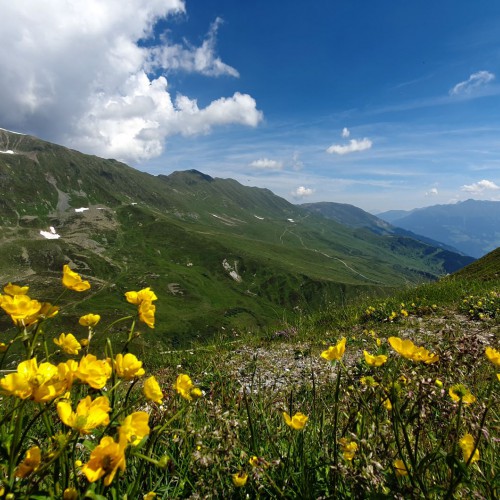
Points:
(335, 352)
(374, 360)
(185, 387)
(369, 381)
(297, 422)
(128, 366)
(144, 295)
(147, 313)
(459, 392)
(400, 468)
(152, 390)
(409, 350)
(89, 414)
(12, 290)
(134, 428)
(68, 343)
(240, 479)
(73, 280)
(348, 448)
(493, 355)
(94, 372)
(254, 461)
(70, 494)
(89, 319)
(20, 307)
(387, 404)
(149, 496)
(467, 445)
(105, 460)
(31, 462)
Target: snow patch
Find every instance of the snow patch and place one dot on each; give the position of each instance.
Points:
(11, 131)
(232, 270)
(82, 209)
(51, 234)
(8, 152)
(257, 217)
(290, 220)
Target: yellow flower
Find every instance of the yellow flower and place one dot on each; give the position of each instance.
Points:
(467, 445)
(89, 319)
(498, 376)
(152, 390)
(73, 280)
(297, 422)
(30, 463)
(459, 392)
(409, 350)
(369, 381)
(68, 343)
(254, 461)
(20, 307)
(387, 404)
(41, 383)
(374, 360)
(93, 371)
(134, 428)
(105, 460)
(240, 479)
(144, 295)
(335, 352)
(348, 448)
(149, 496)
(128, 366)
(438, 383)
(12, 290)
(147, 313)
(70, 494)
(399, 467)
(493, 355)
(89, 414)
(185, 387)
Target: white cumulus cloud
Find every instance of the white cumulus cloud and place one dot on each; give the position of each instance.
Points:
(480, 187)
(345, 133)
(432, 192)
(302, 192)
(353, 146)
(475, 80)
(267, 164)
(79, 73)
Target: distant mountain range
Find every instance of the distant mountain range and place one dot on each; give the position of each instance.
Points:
(217, 254)
(472, 226)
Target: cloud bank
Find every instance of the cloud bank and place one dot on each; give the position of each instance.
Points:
(480, 187)
(80, 74)
(473, 83)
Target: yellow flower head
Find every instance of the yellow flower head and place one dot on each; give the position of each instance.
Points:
(20, 307)
(348, 448)
(105, 460)
(335, 352)
(147, 313)
(30, 463)
(68, 343)
(128, 366)
(185, 387)
(73, 280)
(297, 422)
(240, 479)
(467, 445)
(152, 390)
(149, 496)
(493, 355)
(89, 414)
(387, 404)
(374, 360)
(409, 350)
(70, 494)
(12, 290)
(369, 381)
(144, 295)
(94, 372)
(89, 319)
(399, 467)
(459, 392)
(134, 428)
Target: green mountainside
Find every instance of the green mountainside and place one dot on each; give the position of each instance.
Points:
(217, 254)
(472, 226)
(486, 268)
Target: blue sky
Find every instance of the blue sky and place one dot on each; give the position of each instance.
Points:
(384, 105)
